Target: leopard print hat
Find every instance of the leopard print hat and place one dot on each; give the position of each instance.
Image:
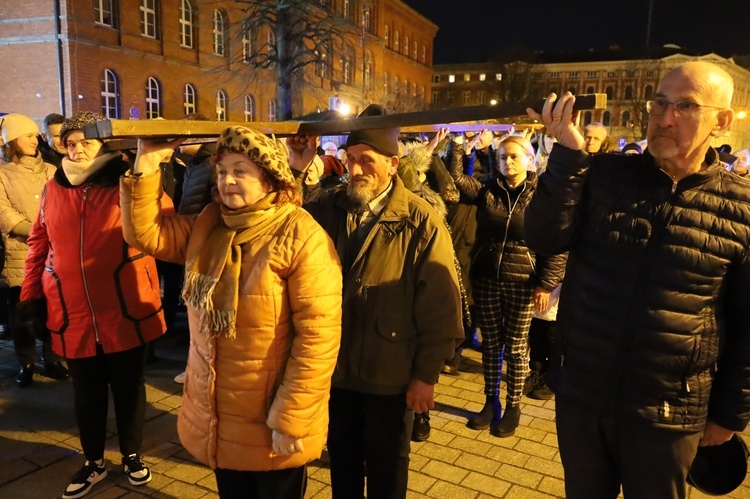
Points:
(261, 149)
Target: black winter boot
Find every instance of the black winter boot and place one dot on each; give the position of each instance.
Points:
(508, 424)
(490, 413)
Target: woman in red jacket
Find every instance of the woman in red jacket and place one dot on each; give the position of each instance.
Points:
(102, 299)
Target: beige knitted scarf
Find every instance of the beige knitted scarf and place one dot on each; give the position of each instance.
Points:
(212, 276)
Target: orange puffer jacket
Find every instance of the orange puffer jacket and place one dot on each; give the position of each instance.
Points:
(276, 373)
(99, 290)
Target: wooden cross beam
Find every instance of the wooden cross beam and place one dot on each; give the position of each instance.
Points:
(421, 121)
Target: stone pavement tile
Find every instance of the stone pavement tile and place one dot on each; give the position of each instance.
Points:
(507, 442)
(209, 483)
(477, 463)
(449, 413)
(420, 482)
(434, 451)
(527, 433)
(508, 456)
(550, 439)
(545, 466)
(473, 397)
(544, 425)
(536, 449)
(539, 412)
(468, 385)
(49, 454)
(326, 493)
(441, 437)
(474, 407)
(519, 492)
(444, 471)
(162, 452)
(519, 476)
(436, 418)
(445, 490)
(741, 492)
(450, 401)
(189, 472)
(441, 389)
(115, 492)
(321, 474)
(180, 490)
(313, 487)
(471, 445)
(460, 429)
(13, 470)
(486, 484)
(417, 461)
(553, 486)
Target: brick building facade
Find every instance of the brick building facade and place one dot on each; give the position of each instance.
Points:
(164, 58)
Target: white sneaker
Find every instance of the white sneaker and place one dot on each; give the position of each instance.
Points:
(180, 378)
(137, 473)
(81, 483)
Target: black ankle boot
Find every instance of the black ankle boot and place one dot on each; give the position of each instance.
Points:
(506, 427)
(489, 413)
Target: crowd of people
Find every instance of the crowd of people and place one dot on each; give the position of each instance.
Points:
(328, 287)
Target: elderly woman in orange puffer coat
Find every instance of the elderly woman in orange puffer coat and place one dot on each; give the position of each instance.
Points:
(263, 290)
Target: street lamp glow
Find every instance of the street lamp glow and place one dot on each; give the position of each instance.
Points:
(741, 115)
(493, 102)
(345, 108)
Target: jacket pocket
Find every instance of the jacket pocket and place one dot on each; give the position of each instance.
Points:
(57, 320)
(138, 288)
(389, 351)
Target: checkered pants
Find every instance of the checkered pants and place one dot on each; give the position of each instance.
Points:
(503, 313)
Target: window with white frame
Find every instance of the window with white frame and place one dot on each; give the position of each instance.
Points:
(321, 67)
(247, 45)
(272, 110)
(186, 24)
(592, 74)
(249, 108)
(481, 97)
(450, 97)
(395, 41)
(109, 94)
(272, 44)
(346, 8)
(482, 77)
(386, 33)
(467, 97)
(189, 99)
(451, 78)
(406, 46)
(219, 32)
(386, 82)
(415, 50)
(367, 75)
(221, 105)
(148, 18)
(498, 77)
(573, 74)
(153, 98)
(103, 12)
(436, 96)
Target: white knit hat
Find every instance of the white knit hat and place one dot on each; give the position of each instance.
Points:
(16, 125)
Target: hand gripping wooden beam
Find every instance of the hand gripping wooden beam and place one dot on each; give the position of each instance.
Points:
(421, 121)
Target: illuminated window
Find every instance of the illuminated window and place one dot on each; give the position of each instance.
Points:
(482, 77)
(467, 77)
(186, 24)
(498, 76)
(153, 98)
(451, 78)
(109, 94)
(189, 103)
(148, 18)
(221, 105)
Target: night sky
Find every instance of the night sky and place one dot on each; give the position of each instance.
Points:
(471, 31)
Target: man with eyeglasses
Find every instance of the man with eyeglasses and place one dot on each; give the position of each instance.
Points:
(652, 357)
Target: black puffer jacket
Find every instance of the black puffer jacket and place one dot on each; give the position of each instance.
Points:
(500, 250)
(653, 322)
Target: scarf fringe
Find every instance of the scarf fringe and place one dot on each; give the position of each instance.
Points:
(198, 292)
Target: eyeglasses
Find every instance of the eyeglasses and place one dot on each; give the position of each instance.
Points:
(680, 109)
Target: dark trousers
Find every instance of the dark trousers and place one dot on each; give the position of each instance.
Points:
(369, 434)
(541, 337)
(278, 484)
(24, 342)
(172, 275)
(93, 377)
(601, 453)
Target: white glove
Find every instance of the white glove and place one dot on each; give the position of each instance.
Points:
(285, 445)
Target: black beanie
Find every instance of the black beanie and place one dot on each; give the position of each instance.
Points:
(383, 140)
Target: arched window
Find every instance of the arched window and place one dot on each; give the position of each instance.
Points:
(625, 119)
(424, 54)
(220, 33)
(628, 92)
(610, 93)
(648, 92)
(586, 118)
(395, 41)
(221, 105)
(386, 33)
(347, 67)
(386, 82)
(367, 72)
(406, 46)
(589, 90)
(572, 90)
(148, 18)
(186, 24)
(416, 50)
(153, 98)
(396, 86)
(247, 45)
(189, 103)
(110, 95)
(346, 8)
(606, 118)
(249, 107)
(272, 110)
